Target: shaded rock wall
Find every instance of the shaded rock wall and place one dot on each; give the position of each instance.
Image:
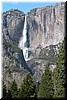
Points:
(13, 23)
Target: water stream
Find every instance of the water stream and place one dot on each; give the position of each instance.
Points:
(23, 41)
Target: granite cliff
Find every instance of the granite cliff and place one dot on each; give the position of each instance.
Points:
(45, 29)
(45, 32)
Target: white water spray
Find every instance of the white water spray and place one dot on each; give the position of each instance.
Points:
(23, 40)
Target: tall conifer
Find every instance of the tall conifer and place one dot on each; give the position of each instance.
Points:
(59, 74)
(46, 85)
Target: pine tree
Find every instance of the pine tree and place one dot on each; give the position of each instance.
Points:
(46, 84)
(28, 87)
(13, 89)
(59, 73)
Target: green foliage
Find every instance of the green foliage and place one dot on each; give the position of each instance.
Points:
(13, 89)
(59, 73)
(46, 85)
(28, 87)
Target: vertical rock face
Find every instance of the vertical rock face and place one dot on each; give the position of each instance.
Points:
(13, 23)
(46, 25)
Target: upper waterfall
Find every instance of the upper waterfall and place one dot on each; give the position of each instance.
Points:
(23, 40)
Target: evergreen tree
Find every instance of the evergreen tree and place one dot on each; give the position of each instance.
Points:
(59, 73)
(13, 89)
(4, 90)
(46, 85)
(28, 87)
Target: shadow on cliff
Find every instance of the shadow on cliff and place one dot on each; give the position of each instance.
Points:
(23, 62)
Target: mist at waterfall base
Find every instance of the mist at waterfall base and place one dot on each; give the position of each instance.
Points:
(23, 41)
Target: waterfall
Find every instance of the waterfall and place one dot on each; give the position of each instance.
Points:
(23, 45)
(23, 41)
(25, 49)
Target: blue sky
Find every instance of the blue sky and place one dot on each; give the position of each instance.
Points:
(24, 6)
